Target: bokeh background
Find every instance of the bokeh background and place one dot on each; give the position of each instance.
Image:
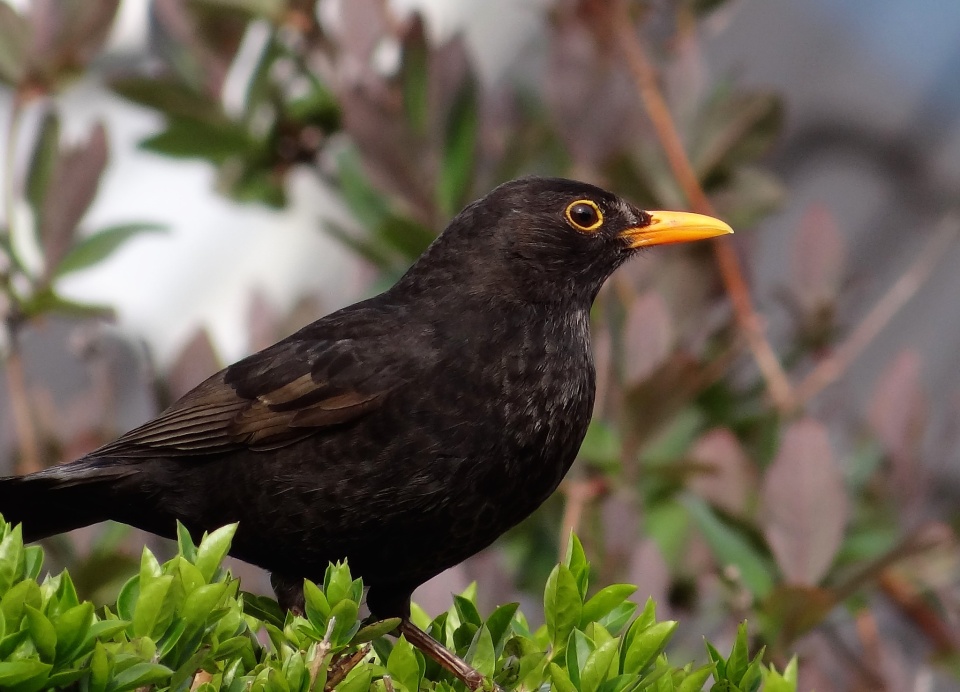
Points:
(776, 437)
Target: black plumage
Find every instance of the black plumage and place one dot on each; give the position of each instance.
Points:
(403, 433)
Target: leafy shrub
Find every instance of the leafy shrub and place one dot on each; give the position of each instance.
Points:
(185, 625)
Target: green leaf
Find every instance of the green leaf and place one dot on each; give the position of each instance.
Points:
(499, 624)
(32, 561)
(358, 680)
(346, 625)
(467, 611)
(695, 680)
(374, 630)
(199, 604)
(140, 675)
(641, 647)
(71, 628)
(576, 560)
(149, 566)
(460, 143)
(154, 610)
(414, 79)
(66, 592)
(10, 548)
(731, 548)
(188, 138)
(185, 544)
(597, 666)
(127, 598)
(47, 301)
(578, 650)
(337, 583)
(365, 203)
(562, 605)
(403, 666)
(773, 681)
(97, 247)
(43, 161)
(172, 97)
(213, 549)
(561, 681)
(99, 669)
(317, 608)
(604, 602)
(13, 602)
(263, 608)
(18, 672)
(481, 654)
(42, 632)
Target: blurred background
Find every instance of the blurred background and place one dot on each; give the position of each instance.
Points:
(776, 436)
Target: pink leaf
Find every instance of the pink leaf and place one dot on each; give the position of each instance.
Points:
(817, 259)
(898, 405)
(726, 478)
(648, 337)
(196, 362)
(804, 504)
(76, 177)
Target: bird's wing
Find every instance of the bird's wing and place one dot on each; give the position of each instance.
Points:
(273, 398)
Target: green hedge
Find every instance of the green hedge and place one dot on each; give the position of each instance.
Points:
(185, 625)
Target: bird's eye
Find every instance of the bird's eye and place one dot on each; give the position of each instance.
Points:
(584, 215)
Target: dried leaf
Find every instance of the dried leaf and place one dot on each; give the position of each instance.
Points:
(648, 336)
(817, 259)
(726, 478)
(804, 504)
(898, 406)
(76, 178)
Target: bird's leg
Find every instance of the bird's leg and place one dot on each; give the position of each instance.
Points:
(449, 661)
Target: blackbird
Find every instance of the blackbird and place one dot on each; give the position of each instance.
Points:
(403, 433)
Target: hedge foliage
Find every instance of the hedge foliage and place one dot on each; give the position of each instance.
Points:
(185, 625)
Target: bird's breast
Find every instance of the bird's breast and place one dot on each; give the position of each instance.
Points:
(521, 404)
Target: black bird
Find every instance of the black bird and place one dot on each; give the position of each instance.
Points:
(405, 432)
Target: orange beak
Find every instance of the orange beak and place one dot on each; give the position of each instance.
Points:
(668, 227)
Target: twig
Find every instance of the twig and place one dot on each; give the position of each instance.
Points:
(323, 648)
(29, 460)
(831, 368)
(342, 665)
(912, 605)
(388, 684)
(750, 322)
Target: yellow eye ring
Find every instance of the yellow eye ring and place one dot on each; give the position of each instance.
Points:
(584, 215)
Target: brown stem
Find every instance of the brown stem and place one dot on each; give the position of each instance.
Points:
(750, 322)
(447, 659)
(578, 493)
(831, 368)
(912, 604)
(29, 460)
(341, 666)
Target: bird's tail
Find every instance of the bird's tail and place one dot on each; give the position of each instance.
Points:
(57, 499)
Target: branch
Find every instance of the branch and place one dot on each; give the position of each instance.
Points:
(750, 322)
(832, 367)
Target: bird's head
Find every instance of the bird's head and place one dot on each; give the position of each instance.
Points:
(549, 238)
